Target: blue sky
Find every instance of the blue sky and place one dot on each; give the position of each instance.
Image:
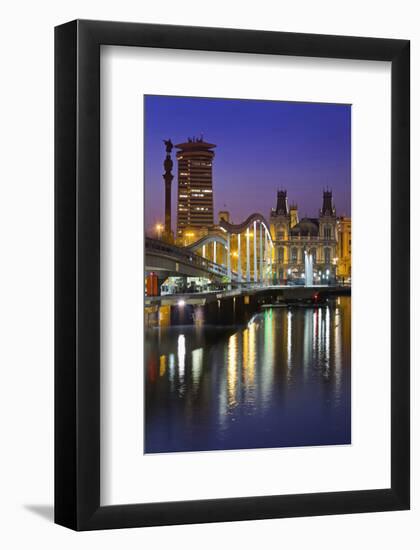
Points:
(262, 146)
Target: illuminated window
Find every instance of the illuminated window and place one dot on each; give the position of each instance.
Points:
(281, 254)
(327, 255)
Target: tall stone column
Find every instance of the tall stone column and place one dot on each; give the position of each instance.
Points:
(229, 269)
(239, 259)
(168, 177)
(248, 273)
(266, 253)
(261, 255)
(255, 253)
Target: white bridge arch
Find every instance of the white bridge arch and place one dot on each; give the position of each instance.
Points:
(208, 239)
(227, 234)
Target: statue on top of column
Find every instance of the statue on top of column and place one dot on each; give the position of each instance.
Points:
(169, 145)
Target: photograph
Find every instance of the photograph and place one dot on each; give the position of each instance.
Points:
(247, 274)
(199, 349)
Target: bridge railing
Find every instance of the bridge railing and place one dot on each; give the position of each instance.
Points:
(184, 256)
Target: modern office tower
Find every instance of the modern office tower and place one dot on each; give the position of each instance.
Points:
(195, 185)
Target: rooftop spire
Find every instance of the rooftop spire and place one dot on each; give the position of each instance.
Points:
(328, 208)
(282, 207)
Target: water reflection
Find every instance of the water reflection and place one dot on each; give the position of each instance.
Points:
(282, 380)
(197, 366)
(181, 361)
(232, 369)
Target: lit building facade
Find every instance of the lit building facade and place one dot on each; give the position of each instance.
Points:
(344, 249)
(325, 238)
(195, 187)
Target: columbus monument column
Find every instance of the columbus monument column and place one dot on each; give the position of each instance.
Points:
(168, 177)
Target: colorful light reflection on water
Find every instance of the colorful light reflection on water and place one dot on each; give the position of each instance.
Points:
(281, 381)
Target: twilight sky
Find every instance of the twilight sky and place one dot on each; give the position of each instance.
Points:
(262, 146)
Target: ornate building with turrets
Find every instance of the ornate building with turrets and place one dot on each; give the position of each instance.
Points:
(320, 238)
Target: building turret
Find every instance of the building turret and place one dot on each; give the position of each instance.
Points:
(328, 233)
(294, 216)
(282, 208)
(328, 208)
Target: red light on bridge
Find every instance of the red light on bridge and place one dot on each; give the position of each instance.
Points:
(152, 285)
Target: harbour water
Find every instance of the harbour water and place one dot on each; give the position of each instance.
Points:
(282, 380)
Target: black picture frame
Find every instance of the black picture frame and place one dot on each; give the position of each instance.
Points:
(77, 275)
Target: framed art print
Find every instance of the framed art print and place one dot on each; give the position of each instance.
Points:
(232, 275)
(251, 346)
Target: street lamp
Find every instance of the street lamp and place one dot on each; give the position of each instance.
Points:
(159, 229)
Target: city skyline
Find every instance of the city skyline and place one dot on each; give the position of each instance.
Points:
(261, 146)
(247, 316)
